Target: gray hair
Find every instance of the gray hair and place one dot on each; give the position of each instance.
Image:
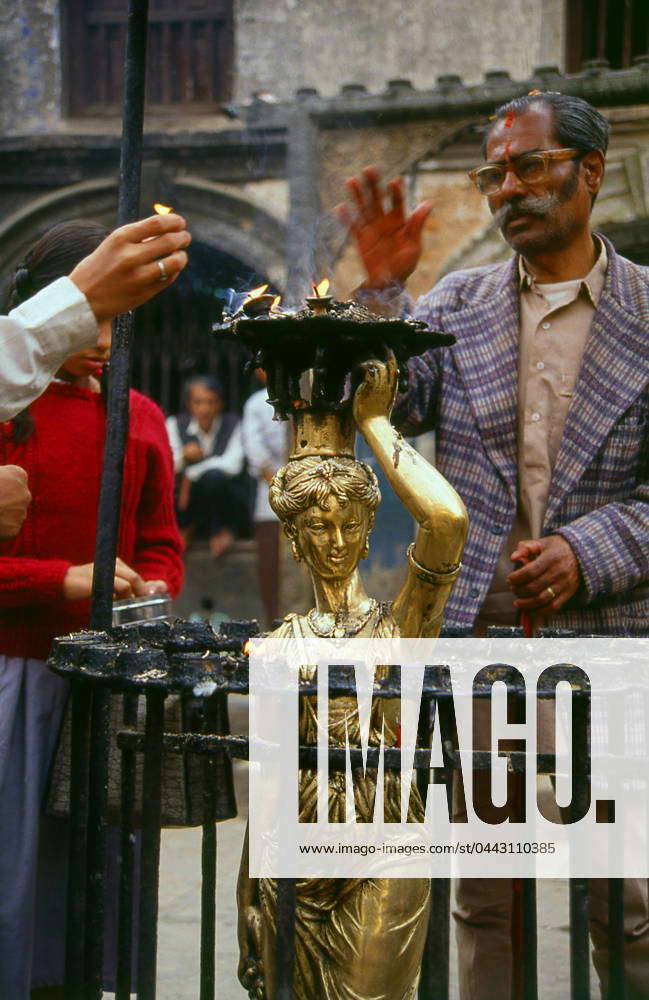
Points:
(578, 124)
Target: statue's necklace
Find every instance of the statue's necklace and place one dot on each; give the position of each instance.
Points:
(342, 627)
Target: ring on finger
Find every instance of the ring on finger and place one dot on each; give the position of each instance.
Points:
(551, 593)
(163, 274)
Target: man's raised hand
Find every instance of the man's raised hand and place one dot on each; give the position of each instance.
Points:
(388, 240)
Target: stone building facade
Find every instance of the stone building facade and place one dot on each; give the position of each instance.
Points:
(305, 94)
(278, 47)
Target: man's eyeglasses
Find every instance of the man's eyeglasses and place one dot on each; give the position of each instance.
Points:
(530, 168)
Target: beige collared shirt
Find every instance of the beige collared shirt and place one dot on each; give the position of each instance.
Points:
(555, 321)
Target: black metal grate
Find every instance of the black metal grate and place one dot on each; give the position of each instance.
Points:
(188, 62)
(98, 663)
(613, 30)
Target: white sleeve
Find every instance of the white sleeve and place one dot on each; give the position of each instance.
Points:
(37, 337)
(252, 445)
(175, 443)
(263, 437)
(230, 463)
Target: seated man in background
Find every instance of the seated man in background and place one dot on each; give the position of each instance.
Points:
(213, 496)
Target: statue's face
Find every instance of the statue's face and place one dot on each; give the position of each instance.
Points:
(332, 541)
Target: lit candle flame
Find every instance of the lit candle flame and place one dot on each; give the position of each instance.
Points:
(246, 647)
(160, 209)
(276, 302)
(322, 288)
(254, 293)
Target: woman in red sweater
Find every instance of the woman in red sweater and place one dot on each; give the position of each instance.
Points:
(45, 586)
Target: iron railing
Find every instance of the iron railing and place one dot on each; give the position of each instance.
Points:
(155, 661)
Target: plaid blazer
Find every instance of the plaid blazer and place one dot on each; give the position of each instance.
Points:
(599, 493)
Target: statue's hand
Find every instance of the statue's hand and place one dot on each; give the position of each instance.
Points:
(252, 980)
(250, 969)
(375, 395)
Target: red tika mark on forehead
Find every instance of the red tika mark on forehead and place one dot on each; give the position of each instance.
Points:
(509, 120)
(507, 148)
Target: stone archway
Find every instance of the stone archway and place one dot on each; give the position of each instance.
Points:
(92, 199)
(237, 243)
(219, 216)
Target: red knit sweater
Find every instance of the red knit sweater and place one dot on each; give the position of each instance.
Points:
(62, 458)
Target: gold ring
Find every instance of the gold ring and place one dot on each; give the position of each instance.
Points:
(163, 274)
(550, 591)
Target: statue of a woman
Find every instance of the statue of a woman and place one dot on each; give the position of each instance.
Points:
(356, 939)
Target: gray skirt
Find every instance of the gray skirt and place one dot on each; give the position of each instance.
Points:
(34, 847)
(32, 881)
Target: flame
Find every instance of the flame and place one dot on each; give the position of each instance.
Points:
(246, 647)
(276, 302)
(160, 209)
(322, 288)
(254, 293)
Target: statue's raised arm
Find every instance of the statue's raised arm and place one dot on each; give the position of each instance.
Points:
(434, 557)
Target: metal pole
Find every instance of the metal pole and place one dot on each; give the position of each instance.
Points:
(81, 699)
(96, 841)
(435, 980)
(150, 864)
(285, 941)
(111, 493)
(530, 942)
(579, 949)
(127, 863)
(579, 963)
(208, 861)
(616, 983)
(118, 382)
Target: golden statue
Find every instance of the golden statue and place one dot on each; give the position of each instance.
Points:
(355, 939)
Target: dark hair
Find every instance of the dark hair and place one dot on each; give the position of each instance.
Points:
(578, 124)
(209, 381)
(54, 255)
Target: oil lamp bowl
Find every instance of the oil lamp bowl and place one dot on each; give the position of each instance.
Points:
(329, 344)
(319, 304)
(259, 305)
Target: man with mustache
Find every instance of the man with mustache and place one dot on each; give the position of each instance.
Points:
(541, 411)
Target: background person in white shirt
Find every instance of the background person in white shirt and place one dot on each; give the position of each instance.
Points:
(213, 496)
(265, 447)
